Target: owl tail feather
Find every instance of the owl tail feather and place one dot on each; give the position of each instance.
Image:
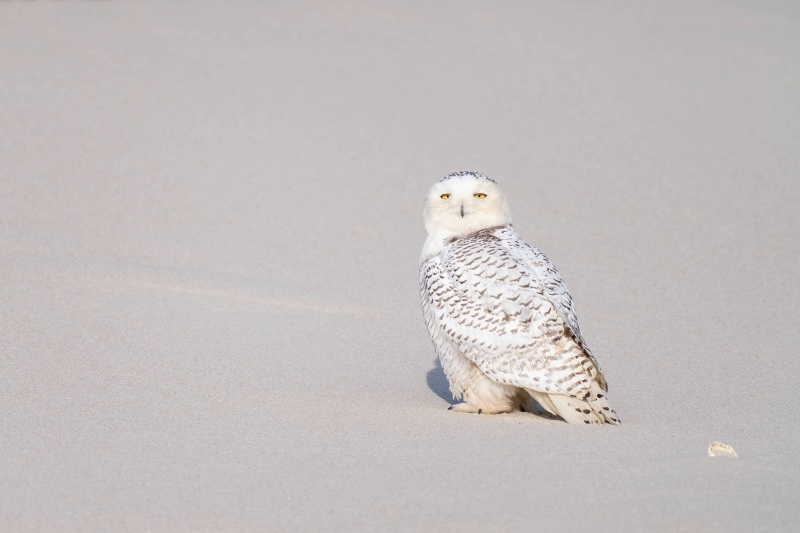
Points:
(594, 409)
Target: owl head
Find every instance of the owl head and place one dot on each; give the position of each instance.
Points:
(463, 203)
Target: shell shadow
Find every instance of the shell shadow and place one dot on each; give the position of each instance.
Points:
(437, 382)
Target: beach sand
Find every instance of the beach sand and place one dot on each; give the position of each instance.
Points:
(210, 224)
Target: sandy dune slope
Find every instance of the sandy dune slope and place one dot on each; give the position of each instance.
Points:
(210, 220)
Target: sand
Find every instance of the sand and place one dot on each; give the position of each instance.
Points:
(210, 222)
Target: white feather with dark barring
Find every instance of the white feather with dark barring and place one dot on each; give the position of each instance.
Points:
(500, 317)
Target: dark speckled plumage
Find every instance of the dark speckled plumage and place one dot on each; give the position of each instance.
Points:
(497, 308)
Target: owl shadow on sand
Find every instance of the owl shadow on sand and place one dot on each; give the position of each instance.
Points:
(437, 382)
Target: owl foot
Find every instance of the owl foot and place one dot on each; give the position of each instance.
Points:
(467, 408)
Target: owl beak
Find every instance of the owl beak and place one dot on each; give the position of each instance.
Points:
(462, 210)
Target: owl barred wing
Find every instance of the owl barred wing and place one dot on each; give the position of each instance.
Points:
(508, 311)
(553, 286)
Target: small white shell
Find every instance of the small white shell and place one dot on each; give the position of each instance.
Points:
(719, 449)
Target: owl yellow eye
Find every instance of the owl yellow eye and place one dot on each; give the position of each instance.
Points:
(444, 196)
(479, 195)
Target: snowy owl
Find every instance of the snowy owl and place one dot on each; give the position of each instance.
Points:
(498, 313)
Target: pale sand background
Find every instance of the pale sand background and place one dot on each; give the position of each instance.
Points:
(209, 228)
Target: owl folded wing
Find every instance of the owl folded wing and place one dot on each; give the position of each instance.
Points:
(509, 312)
